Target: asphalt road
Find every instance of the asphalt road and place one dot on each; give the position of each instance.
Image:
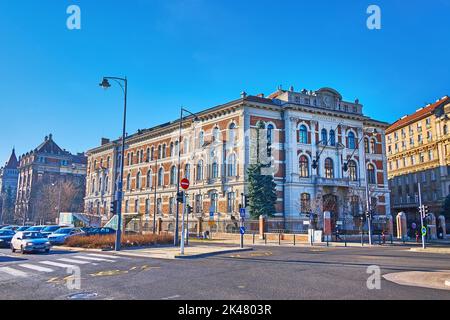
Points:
(266, 273)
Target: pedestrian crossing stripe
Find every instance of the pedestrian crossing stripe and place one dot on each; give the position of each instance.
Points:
(35, 267)
(73, 261)
(56, 264)
(14, 272)
(102, 256)
(93, 258)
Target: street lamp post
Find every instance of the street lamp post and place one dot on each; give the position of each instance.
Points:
(182, 110)
(119, 194)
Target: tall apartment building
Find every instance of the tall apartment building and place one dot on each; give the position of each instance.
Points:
(299, 128)
(418, 147)
(43, 166)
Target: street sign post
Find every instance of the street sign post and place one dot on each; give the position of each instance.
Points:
(424, 231)
(242, 230)
(242, 212)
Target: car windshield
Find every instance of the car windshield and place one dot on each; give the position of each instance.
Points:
(6, 232)
(22, 228)
(32, 235)
(63, 231)
(50, 228)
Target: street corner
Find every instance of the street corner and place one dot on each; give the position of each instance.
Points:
(432, 280)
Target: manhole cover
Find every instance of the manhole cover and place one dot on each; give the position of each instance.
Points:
(83, 296)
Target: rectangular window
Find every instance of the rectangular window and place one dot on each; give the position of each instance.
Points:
(231, 197)
(198, 203)
(159, 206)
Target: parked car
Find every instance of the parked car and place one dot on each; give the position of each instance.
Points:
(99, 231)
(5, 238)
(29, 241)
(61, 235)
(48, 230)
(23, 228)
(36, 228)
(12, 228)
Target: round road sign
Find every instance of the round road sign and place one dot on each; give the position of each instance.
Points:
(424, 231)
(184, 184)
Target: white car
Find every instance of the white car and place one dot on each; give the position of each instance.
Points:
(61, 235)
(29, 241)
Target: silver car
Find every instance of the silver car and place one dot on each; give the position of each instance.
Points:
(61, 235)
(30, 241)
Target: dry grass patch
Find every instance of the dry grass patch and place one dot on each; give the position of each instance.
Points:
(108, 241)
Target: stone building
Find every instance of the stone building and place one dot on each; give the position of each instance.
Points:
(8, 188)
(418, 148)
(298, 128)
(45, 166)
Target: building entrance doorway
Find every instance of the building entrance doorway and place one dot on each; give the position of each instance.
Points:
(330, 203)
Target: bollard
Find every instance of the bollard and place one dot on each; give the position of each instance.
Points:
(253, 238)
(294, 239)
(392, 239)
(328, 243)
(379, 239)
(265, 239)
(279, 239)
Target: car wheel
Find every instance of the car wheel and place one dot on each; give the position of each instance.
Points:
(22, 250)
(12, 248)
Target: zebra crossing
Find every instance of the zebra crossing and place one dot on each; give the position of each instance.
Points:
(26, 270)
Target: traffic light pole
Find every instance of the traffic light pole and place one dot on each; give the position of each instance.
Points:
(241, 224)
(182, 225)
(421, 211)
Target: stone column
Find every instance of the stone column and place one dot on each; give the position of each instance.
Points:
(401, 225)
(432, 226)
(262, 221)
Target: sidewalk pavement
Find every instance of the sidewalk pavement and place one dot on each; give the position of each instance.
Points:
(170, 252)
(434, 280)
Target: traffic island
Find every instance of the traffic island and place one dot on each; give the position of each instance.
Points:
(190, 252)
(433, 280)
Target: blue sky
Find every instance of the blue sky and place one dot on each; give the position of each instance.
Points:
(200, 53)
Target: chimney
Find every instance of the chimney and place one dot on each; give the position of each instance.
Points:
(104, 141)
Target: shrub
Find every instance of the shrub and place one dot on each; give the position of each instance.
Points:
(108, 241)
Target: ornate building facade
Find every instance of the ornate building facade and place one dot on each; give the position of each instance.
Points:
(47, 165)
(418, 147)
(290, 130)
(8, 188)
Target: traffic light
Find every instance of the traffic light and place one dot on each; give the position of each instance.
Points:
(423, 210)
(345, 167)
(189, 209)
(180, 196)
(247, 201)
(113, 207)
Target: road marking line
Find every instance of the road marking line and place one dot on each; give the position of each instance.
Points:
(14, 272)
(102, 256)
(172, 297)
(73, 261)
(94, 259)
(56, 264)
(37, 268)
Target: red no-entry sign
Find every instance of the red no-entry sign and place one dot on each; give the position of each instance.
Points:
(184, 183)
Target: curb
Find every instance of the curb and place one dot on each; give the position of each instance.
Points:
(432, 250)
(204, 255)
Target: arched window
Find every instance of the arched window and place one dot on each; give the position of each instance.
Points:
(106, 183)
(329, 169)
(187, 171)
(324, 137)
(214, 170)
(152, 152)
(186, 145)
(141, 156)
(159, 152)
(445, 129)
(200, 170)
(372, 146)
(332, 138)
(138, 180)
(231, 170)
(172, 150)
(164, 149)
(231, 133)
(177, 148)
(128, 181)
(371, 179)
(173, 175)
(214, 199)
(366, 145)
(270, 129)
(148, 156)
(149, 179)
(351, 141)
(201, 139)
(303, 134)
(216, 133)
(352, 172)
(305, 203)
(160, 177)
(304, 167)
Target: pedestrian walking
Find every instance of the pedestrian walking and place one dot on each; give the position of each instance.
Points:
(338, 237)
(417, 236)
(383, 236)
